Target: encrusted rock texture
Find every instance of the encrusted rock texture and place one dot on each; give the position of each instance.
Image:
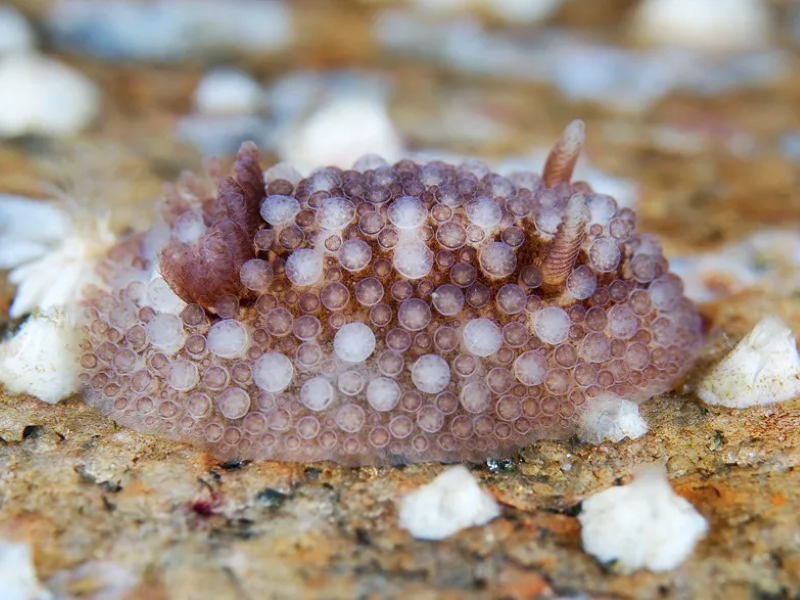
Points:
(102, 504)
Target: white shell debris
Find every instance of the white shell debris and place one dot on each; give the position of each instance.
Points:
(512, 11)
(41, 96)
(763, 368)
(610, 418)
(170, 30)
(52, 253)
(42, 358)
(726, 25)
(339, 133)
(451, 502)
(770, 257)
(16, 34)
(582, 69)
(226, 91)
(17, 575)
(642, 525)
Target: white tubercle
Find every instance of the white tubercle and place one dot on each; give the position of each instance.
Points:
(273, 372)
(317, 393)
(160, 297)
(355, 255)
(227, 338)
(256, 274)
(451, 502)
(610, 418)
(335, 213)
(482, 337)
(165, 332)
(484, 212)
(354, 342)
(189, 227)
(383, 394)
(407, 212)
(284, 171)
(763, 368)
(642, 525)
(304, 267)
(413, 259)
(279, 210)
(431, 373)
(551, 324)
(42, 358)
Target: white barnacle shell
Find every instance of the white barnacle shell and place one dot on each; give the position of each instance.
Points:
(763, 368)
(52, 253)
(642, 525)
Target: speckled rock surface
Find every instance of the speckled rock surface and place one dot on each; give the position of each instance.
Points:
(107, 508)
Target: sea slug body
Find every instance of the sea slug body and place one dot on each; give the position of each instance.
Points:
(382, 314)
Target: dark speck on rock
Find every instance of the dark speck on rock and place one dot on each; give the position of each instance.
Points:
(271, 498)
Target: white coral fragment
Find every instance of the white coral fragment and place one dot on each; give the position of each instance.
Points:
(52, 253)
(610, 418)
(763, 368)
(42, 358)
(451, 502)
(18, 579)
(642, 525)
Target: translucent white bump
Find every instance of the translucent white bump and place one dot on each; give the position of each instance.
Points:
(604, 255)
(482, 337)
(350, 418)
(189, 227)
(256, 274)
(448, 299)
(602, 208)
(665, 292)
(227, 338)
(317, 394)
(165, 332)
(182, 375)
(283, 171)
(414, 314)
(582, 282)
(161, 297)
(595, 348)
(335, 213)
(407, 212)
(354, 342)
(233, 403)
(431, 373)
(622, 322)
(551, 324)
(304, 267)
(273, 372)
(476, 397)
(548, 220)
(530, 368)
(279, 210)
(498, 259)
(383, 394)
(484, 212)
(511, 299)
(369, 162)
(369, 291)
(413, 260)
(355, 255)
(351, 383)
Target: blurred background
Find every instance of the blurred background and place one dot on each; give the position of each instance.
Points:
(692, 106)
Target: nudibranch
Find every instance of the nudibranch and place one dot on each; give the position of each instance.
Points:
(382, 314)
